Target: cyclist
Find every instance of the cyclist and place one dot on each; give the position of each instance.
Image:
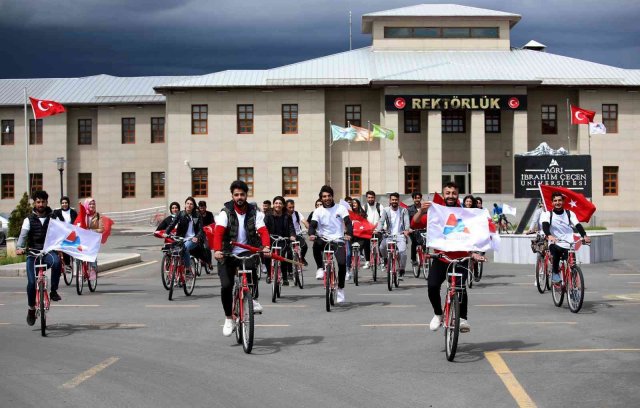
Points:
(298, 222)
(207, 216)
(331, 221)
(395, 220)
(365, 243)
(93, 220)
(241, 222)
(317, 204)
(558, 224)
(266, 207)
(68, 215)
(469, 202)
(34, 231)
(439, 267)
(279, 222)
(174, 209)
(188, 225)
(479, 202)
(373, 210)
(535, 225)
(415, 237)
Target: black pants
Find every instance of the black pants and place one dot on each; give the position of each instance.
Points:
(437, 275)
(340, 254)
(303, 246)
(366, 247)
(227, 272)
(557, 253)
(416, 239)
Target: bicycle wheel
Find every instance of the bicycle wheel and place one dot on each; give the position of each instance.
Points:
(452, 328)
(172, 278)
(237, 313)
(557, 291)
(416, 266)
(327, 287)
(354, 268)
(389, 280)
(470, 273)
(334, 294)
(80, 277)
(541, 275)
(480, 267)
(190, 278)
(195, 266)
(426, 265)
(547, 272)
(279, 281)
(67, 273)
(41, 308)
(575, 289)
(165, 266)
(374, 263)
(247, 325)
(274, 281)
(92, 280)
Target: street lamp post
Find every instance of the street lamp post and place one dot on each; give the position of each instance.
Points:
(60, 161)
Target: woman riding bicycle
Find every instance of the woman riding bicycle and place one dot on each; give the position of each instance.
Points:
(188, 225)
(365, 244)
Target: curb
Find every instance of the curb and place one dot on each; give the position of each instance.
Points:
(127, 259)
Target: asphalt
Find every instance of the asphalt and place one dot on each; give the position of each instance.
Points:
(126, 345)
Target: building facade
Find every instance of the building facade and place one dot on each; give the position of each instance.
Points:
(135, 143)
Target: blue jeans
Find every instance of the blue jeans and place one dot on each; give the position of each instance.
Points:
(52, 261)
(186, 253)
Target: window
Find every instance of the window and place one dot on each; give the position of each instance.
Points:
(35, 131)
(412, 121)
(353, 177)
(353, 115)
(493, 180)
(128, 185)
(35, 182)
(411, 179)
(157, 130)
(84, 131)
(199, 119)
(128, 130)
(84, 185)
(245, 119)
(199, 182)
(485, 32)
(8, 185)
(246, 174)
(453, 121)
(157, 184)
(441, 32)
(7, 132)
(289, 181)
(456, 32)
(492, 121)
(290, 119)
(610, 180)
(549, 119)
(610, 117)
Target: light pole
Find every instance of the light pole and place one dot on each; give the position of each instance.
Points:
(60, 161)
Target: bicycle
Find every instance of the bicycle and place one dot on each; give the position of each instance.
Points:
(43, 303)
(393, 260)
(355, 261)
(275, 277)
(330, 280)
(422, 260)
(451, 309)
(543, 264)
(475, 271)
(199, 266)
(297, 268)
(374, 256)
(86, 272)
(67, 271)
(177, 268)
(165, 266)
(503, 225)
(242, 312)
(571, 280)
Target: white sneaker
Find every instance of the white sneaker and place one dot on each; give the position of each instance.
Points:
(435, 322)
(464, 326)
(366, 265)
(320, 274)
(227, 329)
(348, 276)
(340, 297)
(257, 307)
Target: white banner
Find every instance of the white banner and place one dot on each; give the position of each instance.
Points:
(458, 229)
(596, 128)
(507, 209)
(72, 240)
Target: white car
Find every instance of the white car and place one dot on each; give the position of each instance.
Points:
(4, 227)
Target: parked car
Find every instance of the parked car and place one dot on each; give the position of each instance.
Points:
(4, 228)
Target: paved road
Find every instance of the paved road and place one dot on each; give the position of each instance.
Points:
(127, 346)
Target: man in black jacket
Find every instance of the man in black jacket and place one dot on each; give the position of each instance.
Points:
(68, 215)
(34, 231)
(207, 216)
(279, 222)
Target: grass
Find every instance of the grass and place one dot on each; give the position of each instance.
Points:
(4, 260)
(595, 228)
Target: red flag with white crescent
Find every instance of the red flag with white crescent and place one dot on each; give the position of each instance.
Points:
(43, 108)
(581, 116)
(573, 201)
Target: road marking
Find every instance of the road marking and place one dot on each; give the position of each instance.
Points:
(1, 304)
(488, 293)
(624, 274)
(127, 268)
(103, 326)
(565, 350)
(4, 324)
(176, 306)
(508, 379)
(57, 306)
(518, 323)
(508, 305)
(395, 325)
(82, 377)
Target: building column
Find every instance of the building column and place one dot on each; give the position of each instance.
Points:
(389, 151)
(520, 140)
(434, 151)
(477, 152)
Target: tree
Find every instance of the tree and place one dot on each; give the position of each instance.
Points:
(18, 215)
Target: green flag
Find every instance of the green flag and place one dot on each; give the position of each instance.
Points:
(382, 133)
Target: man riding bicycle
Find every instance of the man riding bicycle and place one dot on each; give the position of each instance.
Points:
(395, 220)
(558, 224)
(373, 209)
(241, 222)
(298, 222)
(34, 230)
(279, 223)
(416, 239)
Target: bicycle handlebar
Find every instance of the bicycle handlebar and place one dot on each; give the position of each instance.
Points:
(244, 258)
(454, 260)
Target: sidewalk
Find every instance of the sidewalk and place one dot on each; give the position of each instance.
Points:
(106, 261)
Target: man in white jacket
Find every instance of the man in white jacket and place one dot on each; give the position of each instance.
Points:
(395, 220)
(373, 210)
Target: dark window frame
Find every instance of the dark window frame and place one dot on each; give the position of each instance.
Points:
(84, 185)
(85, 136)
(549, 119)
(412, 123)
(36, 182)
(245, 114)
(493, 121)
(610, 117)
(441, 32)
(200, 182)
(128, 130)
(290, 188)
(412, 179)
(246, 174)
(493, 179)
(157, 129)
(454, 121)
(610, 181)
(353, 115)
(8, 138)
(8, 181)
(199, 119)
(128, 184)
(158, 184)
(36, 138)
(354, 185)
(289, 118)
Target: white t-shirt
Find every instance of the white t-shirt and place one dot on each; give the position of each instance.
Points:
(372, 212)
(560, 226)
(66, 215)
(395, 220)
(26, 225)
(330, 221)
(296, 224)
(190, 233)
(223, 221)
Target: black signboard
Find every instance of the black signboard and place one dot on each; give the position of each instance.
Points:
(572, 172)
(455, 102)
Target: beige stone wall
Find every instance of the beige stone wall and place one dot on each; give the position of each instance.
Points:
(551, 96)
(381, 43)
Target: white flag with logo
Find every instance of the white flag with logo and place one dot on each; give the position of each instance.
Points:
(459, 229)
(596, 128)
(72, 240)
(507, 209)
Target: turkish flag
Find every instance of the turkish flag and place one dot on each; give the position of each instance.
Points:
(438, 199)
(573, 201)
(361, 227)
(42, 108)
(81, 218)
(107, 223)
(581, 116)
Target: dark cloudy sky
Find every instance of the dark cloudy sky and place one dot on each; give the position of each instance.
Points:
(70, 38)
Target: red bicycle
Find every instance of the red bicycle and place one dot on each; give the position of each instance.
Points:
(177, 269)
(67, 271)
(86, 272)
(374, 257)
(393, 260)
(355, 261)
(275, 277)
(330, 281)
(242, 313)
(43, 303)
(297, 268)
(543, 269)
(423, 263)
(571, 280)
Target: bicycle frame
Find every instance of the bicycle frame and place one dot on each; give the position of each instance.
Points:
(243, 290)
(41, 277)
(375, 251)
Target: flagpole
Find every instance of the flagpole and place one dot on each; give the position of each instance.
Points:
(348, 161)
(568, 127)
(589, 130)
(330, 143)
(26, 140)
(369, 156)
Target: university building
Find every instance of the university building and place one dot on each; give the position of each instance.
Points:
(460, 97)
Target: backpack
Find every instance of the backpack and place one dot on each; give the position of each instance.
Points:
(568, 215)
(297, 217)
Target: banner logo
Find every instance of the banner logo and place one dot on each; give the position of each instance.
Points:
(454, 225)
(399, 103)
(72, 241)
